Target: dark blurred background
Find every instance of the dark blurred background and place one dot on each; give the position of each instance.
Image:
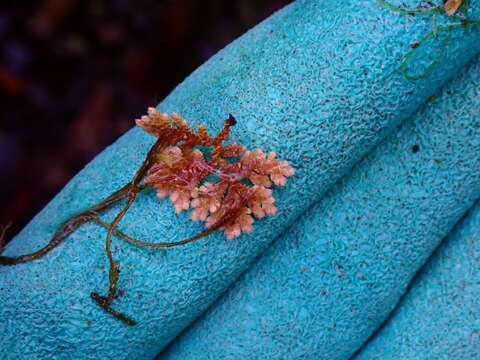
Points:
(74, 74)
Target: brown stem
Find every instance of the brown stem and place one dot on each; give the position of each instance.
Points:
(103, 302)
(114, 271)
(225, 219)
(169, 136)
(133, 241)
(69, 226)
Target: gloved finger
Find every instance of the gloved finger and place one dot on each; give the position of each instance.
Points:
(323, 288)
(439, 316)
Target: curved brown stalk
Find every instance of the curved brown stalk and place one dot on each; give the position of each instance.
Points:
(133, 241)
(114, 271)
(69, 226)
(224, 220)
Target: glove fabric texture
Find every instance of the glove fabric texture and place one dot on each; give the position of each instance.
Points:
(318, 83)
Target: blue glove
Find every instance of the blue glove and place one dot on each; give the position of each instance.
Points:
(439, 318)
(323, 288)
(318, 83)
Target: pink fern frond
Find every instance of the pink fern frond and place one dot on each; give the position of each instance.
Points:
(229, 151)
(243, 223)
(177, 174)
(261, 202)
(181, 170)
(155, 122)
(262, 169)
(209, 200)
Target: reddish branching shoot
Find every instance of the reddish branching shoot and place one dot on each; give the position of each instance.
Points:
(228, 189)
(452, 6)
(241, 189)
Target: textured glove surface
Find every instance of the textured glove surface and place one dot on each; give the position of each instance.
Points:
(439, 317)
(318, 83)
(324, 287)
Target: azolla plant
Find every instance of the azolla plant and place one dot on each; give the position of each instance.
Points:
(228, 188)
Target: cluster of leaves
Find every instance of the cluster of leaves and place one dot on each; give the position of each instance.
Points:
(241, 190)
(226, 189)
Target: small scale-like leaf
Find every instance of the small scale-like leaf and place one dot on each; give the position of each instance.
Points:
(451, 6)
(114, 272)
(165, 158)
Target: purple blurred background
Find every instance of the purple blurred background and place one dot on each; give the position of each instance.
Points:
(74, 74)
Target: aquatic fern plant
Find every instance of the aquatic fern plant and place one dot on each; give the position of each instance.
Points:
(228, 189)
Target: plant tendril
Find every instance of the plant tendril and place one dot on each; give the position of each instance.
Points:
(136, 242)
(462, 22)
(432, 10)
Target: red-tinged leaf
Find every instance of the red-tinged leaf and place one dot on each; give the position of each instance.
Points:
(452, 6)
